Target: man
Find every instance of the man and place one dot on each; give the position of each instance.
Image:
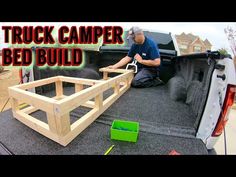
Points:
(146, 53)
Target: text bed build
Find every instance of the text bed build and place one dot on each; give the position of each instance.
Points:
(54, 56)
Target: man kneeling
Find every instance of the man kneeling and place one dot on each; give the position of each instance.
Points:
(146, 53)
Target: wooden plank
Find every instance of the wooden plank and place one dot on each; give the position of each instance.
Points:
(33, 120)
(99, 101)
(75, 100)
(36, 125)
(59, 97)
(120, 78)
(14, 104)
(78, 87)
(81, 124)
(89, 104)
(58, 127)
(79, 80)
(117, 88)
(59, 88)
(70, 103)
(130, 78)
(63, 124)
(111, 99)
(105, 75)
(29, 110)
(37, 83)
(78, 126)
(122, 83)
(59, 124)
(52, 123)
(38, 101)
(113, 70)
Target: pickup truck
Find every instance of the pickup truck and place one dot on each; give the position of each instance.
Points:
(187, 114)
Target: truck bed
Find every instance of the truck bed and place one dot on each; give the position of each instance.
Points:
(164, 126)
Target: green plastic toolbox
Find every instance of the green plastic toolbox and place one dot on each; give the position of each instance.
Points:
(124, 130)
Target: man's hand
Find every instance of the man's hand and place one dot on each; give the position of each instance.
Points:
(138, 58)
(121, 63)
(111, 67)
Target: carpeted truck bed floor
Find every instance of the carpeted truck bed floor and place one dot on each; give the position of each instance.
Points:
(19, 139)
(151, 107)
(157, 114)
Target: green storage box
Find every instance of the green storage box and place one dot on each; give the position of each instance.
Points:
(124, 130)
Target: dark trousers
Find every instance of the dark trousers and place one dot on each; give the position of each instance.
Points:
(146, 77)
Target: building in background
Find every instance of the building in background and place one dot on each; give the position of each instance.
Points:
(189, 43)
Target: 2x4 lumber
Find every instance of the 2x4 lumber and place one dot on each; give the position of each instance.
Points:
(89, 104)
(78, 87)
(29, 110)
(59, 97)
(81, 124)
(39, 101)
(111, 99)
(78, 126)
(14, 104)
(70, 103)
(33, 120)
(37, 83)
(59, 124)
(122, 83)
(52, 123)
(113, 70)
(99, 101)
(63, 124)
(75, 100)
(117, 88)
(105, 75)
(79, 80)
(58, 127)
(59, 88)
(36, 125)
(122, 77)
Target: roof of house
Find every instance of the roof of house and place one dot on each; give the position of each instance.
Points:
(206, 42)
(190, 38)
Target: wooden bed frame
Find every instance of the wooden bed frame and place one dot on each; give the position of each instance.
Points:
(58, 127)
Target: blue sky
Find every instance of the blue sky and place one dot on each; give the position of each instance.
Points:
(214, 32)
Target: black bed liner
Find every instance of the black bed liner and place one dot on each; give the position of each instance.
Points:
(4, 150)
(20, 139)
(157, 135)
